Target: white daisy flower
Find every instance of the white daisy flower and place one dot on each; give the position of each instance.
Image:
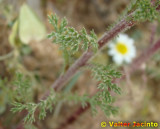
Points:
(122, 49)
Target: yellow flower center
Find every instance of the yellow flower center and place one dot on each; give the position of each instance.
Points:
(121, 48)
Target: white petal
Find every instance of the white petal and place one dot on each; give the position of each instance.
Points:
(118, 59)
(130, 41)
(122, 38)
(132, 52)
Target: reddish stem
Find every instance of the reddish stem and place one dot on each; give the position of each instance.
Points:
(82, 61)
(74, 117)
(62, 80)
(135, 65)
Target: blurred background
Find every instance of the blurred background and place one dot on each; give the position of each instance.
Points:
(24, 47)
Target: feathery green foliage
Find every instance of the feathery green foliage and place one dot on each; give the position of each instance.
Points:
(141, 10)
(102, 98)
(31, 107)
(23, 88)
(146, 11)
(70, 39)
(104, 75)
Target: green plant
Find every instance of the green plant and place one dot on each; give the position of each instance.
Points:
(102, 98)
(71, 41)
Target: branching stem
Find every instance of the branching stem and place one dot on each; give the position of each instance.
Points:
(62, 80)
(134, 66)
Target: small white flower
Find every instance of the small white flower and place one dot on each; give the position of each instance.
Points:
(122, 49)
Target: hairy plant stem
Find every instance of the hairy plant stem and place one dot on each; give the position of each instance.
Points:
(133, 67)
(82, 61)
(75, 116)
